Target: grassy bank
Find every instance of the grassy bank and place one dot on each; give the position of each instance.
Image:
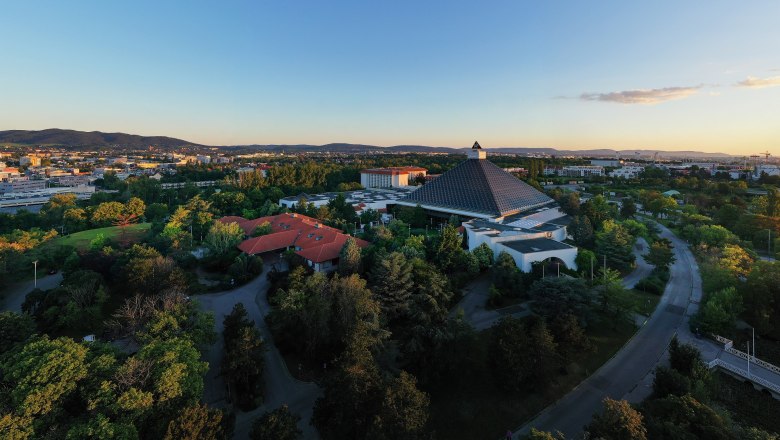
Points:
(481, 408)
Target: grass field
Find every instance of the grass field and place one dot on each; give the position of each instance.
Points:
(81, 240)
(644, 303)
(480, 408)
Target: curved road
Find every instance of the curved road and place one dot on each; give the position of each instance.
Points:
(280, 386)
(627, 369)
(12, 297)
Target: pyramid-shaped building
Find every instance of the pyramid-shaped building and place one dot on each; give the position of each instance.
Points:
(477, 188)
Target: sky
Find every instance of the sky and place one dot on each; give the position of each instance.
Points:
(673, 75)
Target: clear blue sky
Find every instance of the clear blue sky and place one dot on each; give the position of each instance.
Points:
(664, 74)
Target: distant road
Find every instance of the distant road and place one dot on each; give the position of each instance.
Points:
(12, 297)
(635, 360)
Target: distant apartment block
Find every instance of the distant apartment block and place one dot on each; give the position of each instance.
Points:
(627, 172)
(21, 184)
(574, 171)
(203, 159)
(393, 177)
(613, 163)
(77, 180)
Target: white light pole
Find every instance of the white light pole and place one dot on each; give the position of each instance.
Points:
(748, 346)
(35, 276)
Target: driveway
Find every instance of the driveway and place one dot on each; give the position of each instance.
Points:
(633, 364)
(12, 297)
(280, 386)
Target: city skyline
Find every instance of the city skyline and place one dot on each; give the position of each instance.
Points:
(569, 76)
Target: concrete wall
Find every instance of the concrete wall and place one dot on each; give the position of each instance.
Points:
(524, 261)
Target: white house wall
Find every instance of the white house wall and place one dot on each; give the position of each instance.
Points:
(524, 261)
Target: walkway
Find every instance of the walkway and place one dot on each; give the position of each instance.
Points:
(12, 297)
(475, 297)
(632, 364)
(280, 386)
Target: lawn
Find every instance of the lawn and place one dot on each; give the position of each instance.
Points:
(81, 240)
(644, 303)
(480, 408)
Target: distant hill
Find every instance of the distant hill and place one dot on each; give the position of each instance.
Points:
(83, 139)
(74, 138)
(525, 151)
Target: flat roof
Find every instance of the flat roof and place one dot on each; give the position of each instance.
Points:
(536, 245)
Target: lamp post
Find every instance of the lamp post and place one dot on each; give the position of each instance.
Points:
(559, 269)
(35, 274)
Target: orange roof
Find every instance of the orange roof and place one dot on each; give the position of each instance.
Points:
(315, 241)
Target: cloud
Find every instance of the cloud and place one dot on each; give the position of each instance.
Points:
(760, 83)
(642, 96)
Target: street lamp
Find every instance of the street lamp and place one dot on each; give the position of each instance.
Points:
(35, 276)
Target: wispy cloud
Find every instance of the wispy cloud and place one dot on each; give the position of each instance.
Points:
(642, 96)
(760, 83)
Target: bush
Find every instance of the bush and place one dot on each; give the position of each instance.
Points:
(651, 284)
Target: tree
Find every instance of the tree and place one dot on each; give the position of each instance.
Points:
(555, 296)
(484, 256)
(585, 261)
(44, 373)
(349, 257)
(627, 208)
(570, 203)
(392, 284)
(196, 422)
(669, 381)
(243, 362)
(684, 417)
(507, 278)
(569, 336)
(615, 298)
(177, 370)
(616, 243)
(106, 213)
(403, 411)
(686, 359)
(135, 207)
(223, 237)
(14, 328)
(718, 315)
(279, 424)
(156, 212)
(598, 210)
(75, 219)
(618, 421)
(264, 228)
(523, 354)
(661, 206)
(582, 231)
(761, 294)
(660, 254)
(449, 248)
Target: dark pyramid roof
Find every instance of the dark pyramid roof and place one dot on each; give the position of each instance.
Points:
(478, 186)
(476, 146)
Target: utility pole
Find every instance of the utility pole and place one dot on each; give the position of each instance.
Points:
(35, 274)
(748, 346)
(591, 268)
(543, 269)
(559, 269)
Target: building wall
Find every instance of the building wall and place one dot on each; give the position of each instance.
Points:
(524, 261)
(21, 185)
(382, 180)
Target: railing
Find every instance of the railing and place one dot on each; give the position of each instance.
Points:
(728, 343)
(739, 371)
(753, 359)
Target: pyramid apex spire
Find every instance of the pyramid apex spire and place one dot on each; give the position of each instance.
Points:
(477, 152)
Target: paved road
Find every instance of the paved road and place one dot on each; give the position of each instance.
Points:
(631, 365)
(12, 297)
(280, 386)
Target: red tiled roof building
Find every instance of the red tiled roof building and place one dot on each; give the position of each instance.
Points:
(318, 244)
